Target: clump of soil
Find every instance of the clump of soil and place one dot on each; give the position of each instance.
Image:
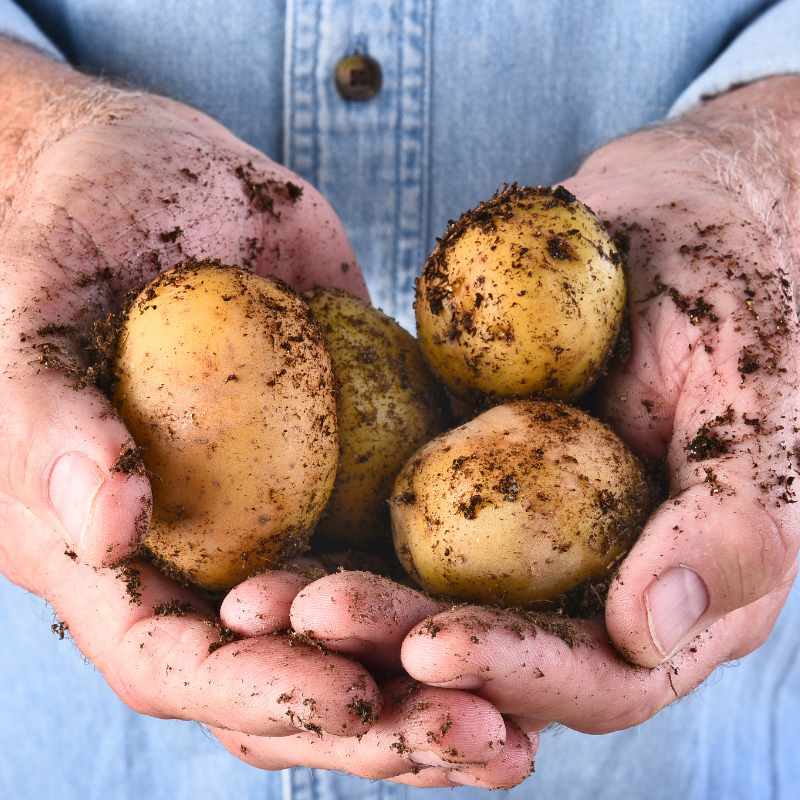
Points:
(173, 608)
(129, 460)
(262, 194)
(132, 579)
(59, 628)
(226, 635)
(364, 710)
(709, 442)
(307, 637)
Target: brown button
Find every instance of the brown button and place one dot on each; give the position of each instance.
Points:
(358, 77)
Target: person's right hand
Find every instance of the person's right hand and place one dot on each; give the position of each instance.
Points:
(123, 187)
(112, 188)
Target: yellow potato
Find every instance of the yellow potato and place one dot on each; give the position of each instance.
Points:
(226, 384)
(522, 296)
(519, 505)
(389, 405)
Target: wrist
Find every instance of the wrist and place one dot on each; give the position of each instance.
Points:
(734, 157)
(41, 102)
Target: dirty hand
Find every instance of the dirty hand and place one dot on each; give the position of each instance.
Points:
(711, 385)
(105, 189)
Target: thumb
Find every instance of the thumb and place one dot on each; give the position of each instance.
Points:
(729, 534)
(66, 457)
(698, 560)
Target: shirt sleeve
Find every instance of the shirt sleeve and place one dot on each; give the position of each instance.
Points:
(17, 25)
(768, 46)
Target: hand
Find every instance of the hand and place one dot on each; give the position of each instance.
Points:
(108, 188)
(711, 385)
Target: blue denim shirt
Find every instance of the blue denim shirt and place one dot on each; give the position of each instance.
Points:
(474, 95)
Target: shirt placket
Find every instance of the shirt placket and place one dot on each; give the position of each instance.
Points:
(368, 158)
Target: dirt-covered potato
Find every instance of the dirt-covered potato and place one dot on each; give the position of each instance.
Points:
(227, 386)
(519, 505)
(522, 296)
(389, 405)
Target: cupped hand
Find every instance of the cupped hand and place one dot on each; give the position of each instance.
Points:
(712, 387)
(148, 184)
(119, 187)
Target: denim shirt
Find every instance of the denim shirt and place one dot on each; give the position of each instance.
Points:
(473, 95)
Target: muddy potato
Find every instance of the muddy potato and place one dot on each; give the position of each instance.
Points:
(522, 296)
(522, 503)
(226, 385)
(389, 405)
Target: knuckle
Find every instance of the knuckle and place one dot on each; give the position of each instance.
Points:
(642, 709)
(778, 542)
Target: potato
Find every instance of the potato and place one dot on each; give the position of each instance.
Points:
(518, 505)
(522, 296)
(389, 405)
(226, 385)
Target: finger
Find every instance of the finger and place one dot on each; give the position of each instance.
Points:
(260, 605)
(508, 769)
(505, 771)
(419, 726)
(165, 655)
(361, 614)
(566, 671)
(64, 454)
(67, 458)
(698, 560)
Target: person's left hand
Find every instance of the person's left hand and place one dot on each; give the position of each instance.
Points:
(711, 386)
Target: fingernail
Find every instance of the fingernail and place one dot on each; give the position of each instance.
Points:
(74, 483)
(676, 599)
(468, 682)
(429, 759)
(465, 779)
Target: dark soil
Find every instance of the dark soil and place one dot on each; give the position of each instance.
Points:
(129, 461)
(262, 194)
(364, 710)
(173, 608)
(226, 635)
(132, 579)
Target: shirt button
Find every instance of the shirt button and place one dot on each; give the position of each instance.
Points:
(358, 77)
